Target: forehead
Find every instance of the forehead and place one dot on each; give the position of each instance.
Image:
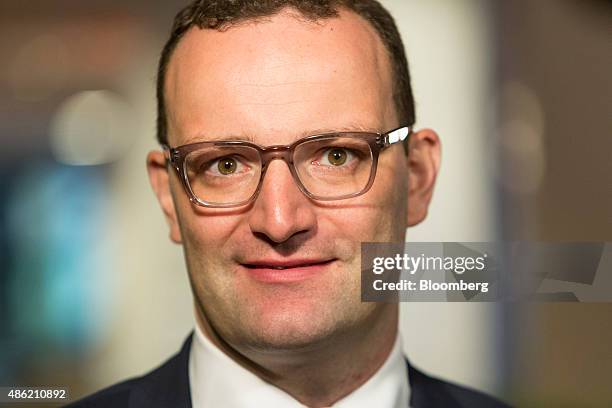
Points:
(276, 79)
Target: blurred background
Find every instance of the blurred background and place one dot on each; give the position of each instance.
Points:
(92, 291)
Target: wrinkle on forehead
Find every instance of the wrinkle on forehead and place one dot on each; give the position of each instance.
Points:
(245, 78)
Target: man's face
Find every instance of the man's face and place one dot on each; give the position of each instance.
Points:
(273, 82)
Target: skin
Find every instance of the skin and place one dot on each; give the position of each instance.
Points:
(273, 82)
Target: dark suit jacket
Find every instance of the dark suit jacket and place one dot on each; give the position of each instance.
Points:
(168, 387)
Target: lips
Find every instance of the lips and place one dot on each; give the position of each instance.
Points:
(286, 271)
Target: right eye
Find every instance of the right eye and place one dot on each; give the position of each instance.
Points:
(336, 157)
(225, 166)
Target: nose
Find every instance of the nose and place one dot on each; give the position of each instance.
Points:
(281, 211)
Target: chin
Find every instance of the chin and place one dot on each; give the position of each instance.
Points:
(283, 335)
(302, 330)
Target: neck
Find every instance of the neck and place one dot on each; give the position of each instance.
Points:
(320, 376)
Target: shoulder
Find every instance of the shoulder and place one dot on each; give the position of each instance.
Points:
(431, 392)
(165, 386)
(117, 395)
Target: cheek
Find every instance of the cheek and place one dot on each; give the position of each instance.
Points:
(209, 232)
(377, 216)
(390, 196)
(206, 232)
(208, 254)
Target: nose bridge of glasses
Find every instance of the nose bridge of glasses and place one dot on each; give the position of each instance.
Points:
(279, 152)
(276, 153)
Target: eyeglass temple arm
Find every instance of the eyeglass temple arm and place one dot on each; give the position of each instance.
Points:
(395, 136)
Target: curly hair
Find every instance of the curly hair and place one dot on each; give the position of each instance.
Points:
(222, 14)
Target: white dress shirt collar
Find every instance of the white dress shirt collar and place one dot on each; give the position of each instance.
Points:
(216, 380)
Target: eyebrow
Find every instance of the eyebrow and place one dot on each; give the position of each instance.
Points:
(249, 137)
(200, 137)
(351, 128)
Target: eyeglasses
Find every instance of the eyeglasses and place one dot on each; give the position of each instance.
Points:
(331, 166)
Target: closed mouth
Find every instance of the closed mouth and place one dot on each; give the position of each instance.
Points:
(285, 271)
(286, 265)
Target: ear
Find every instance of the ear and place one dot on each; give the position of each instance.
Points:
(423, 163)
(160, 181)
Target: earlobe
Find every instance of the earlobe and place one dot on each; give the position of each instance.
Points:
(424, 163)
(160, 182)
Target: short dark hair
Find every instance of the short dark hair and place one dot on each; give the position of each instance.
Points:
(221, 14)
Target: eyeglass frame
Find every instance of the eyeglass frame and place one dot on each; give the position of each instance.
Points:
(175, 157)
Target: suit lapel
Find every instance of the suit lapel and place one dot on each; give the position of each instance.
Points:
(167, 386)
(427, 392)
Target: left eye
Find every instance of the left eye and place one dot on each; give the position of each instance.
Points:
(336, 156)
